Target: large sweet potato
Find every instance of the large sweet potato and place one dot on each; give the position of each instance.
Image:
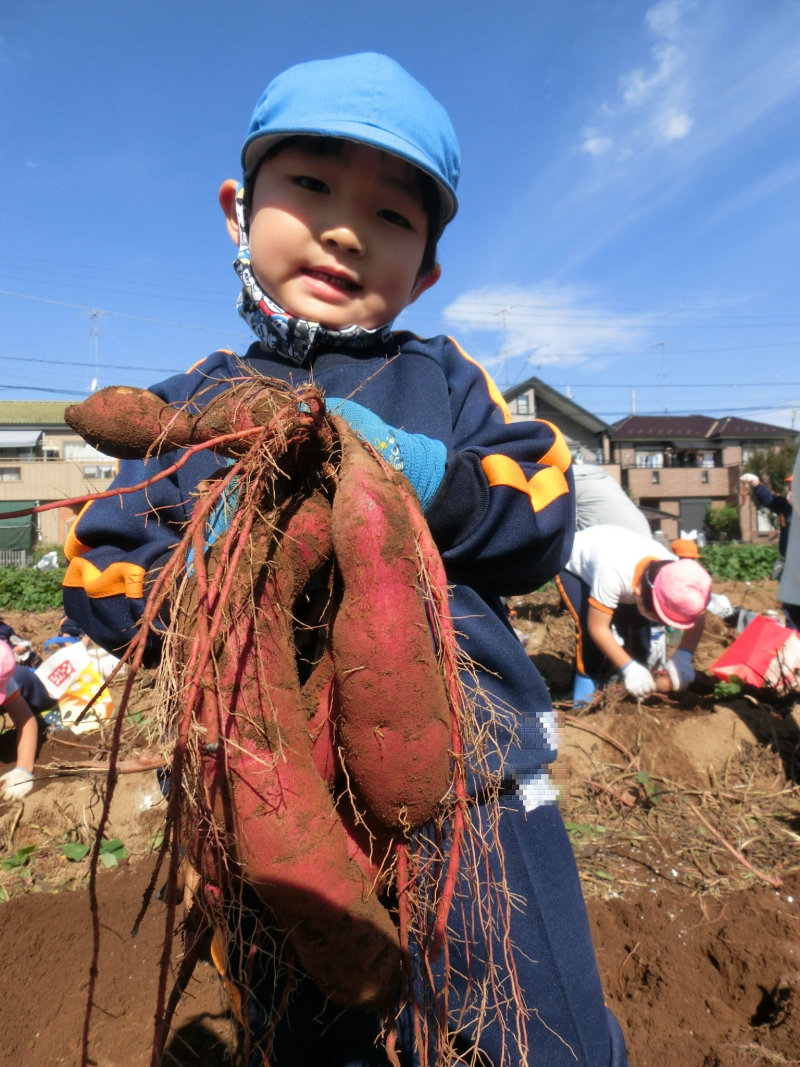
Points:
(287, 836)
(394, 714)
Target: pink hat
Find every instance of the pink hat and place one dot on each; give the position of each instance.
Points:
(7, 665)
(681, 592)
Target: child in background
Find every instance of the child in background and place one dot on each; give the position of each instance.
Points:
(18, 782)
(350, 170)
(615, 578)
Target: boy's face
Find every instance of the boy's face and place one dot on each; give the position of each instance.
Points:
(336, 240)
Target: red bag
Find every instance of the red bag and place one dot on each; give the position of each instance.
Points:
(766, 654)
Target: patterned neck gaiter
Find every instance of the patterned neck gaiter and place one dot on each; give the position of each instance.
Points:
(272, 326)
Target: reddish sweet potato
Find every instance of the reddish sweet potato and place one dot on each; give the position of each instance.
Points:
(394, 714)
(287, 835)
(126, 423)
(319, 703)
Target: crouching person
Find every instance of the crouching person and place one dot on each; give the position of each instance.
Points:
(619, 583)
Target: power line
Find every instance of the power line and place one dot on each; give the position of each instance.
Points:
(119, 314)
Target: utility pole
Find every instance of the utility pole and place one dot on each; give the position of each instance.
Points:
(94, 349)
(633, 401)
(503, 312)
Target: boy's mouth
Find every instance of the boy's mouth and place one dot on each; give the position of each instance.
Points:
(338, 281)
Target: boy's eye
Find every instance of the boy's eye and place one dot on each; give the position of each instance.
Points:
(395, 218)
(314, 185)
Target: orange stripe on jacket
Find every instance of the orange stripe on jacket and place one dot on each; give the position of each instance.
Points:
(494, 392)
(559, 454)
(577, 621)
(543, 488)
(126, 579)
(72, 546)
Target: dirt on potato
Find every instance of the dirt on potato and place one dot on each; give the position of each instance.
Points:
(684, 813)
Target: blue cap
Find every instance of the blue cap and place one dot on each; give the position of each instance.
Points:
(366, 98)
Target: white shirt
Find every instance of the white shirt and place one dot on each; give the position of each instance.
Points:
(611, 560)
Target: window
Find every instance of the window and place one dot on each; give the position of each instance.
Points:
(102, 470)
(649, 459)
(708, 459)
(10, 474)
(523, 404)
(704, 477)
(81, 451)
(655, 477)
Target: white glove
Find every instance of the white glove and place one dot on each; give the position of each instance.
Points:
(638, 680)
(750, 479)
(720, 606)
(681, 669)
(16, 784)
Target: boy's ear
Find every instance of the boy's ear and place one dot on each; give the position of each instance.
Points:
(227, 201)
(424, 283)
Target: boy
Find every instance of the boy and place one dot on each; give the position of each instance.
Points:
(350, 174)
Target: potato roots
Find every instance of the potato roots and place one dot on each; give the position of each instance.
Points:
(309, 696)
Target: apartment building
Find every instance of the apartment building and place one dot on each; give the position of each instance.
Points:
(42, 460)
(684, 464)
(675, 467)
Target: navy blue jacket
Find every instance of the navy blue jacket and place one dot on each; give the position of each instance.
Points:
(781, 506)
(503, 517)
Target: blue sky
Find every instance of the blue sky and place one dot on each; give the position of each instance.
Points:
(630, 199)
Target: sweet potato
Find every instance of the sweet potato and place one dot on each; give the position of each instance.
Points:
(288, 838)
(394, 718)
(126, 423)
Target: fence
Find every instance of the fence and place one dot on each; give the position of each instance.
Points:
(14, 557)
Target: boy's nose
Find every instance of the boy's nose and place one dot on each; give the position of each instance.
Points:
(344, 238)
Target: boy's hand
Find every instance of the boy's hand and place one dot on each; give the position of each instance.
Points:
(681, 669)
(420, 458)
(15, 784)
(638, 680)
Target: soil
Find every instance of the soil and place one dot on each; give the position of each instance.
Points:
(697, 945)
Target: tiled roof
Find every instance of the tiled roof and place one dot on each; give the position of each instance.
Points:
(733, 427)
(33, 412)
(686, 427)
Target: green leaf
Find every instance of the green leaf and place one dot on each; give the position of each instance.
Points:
(110, 846)
(605, 876)
(19, 859)
(109, 859)
(75, 851)
(156, 841)
(643, 778)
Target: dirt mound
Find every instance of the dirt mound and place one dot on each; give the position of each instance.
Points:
(47, 942)
(703, 983)
(684, 813)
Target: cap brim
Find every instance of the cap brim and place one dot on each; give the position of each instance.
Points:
(258, 145)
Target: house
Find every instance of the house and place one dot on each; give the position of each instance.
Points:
(674, 466)
(43, 460)
(586, 434)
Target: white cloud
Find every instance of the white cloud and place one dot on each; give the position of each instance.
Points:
(638, 85)
(664, 19)
(594, 144)
(543, 324)
(676, 126)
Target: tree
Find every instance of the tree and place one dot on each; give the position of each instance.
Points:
(773, 468)
(723, 522)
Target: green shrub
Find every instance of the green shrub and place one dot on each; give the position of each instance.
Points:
(733, 561)
(30, 590)
(723, 522)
